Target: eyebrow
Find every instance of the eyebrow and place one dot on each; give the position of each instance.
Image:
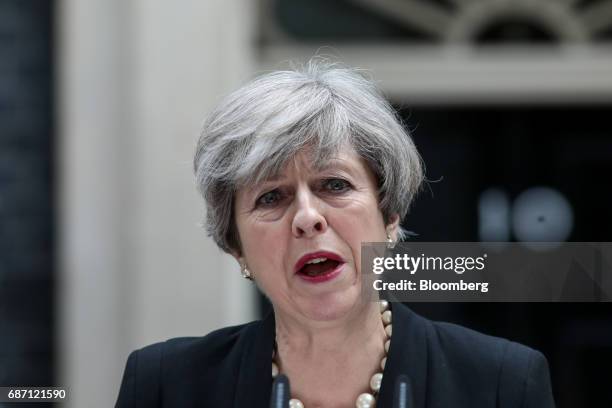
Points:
(330, 164)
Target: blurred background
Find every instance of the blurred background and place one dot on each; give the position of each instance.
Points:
(509, 102)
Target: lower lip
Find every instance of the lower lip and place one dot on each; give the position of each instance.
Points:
(323, 278)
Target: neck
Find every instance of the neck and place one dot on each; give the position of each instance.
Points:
(331, 363)
(355, 332)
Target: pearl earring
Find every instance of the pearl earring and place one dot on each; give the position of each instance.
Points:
(246, 274)
(390, 242)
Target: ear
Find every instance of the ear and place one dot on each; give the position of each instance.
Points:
(238, 256)
(392, 225)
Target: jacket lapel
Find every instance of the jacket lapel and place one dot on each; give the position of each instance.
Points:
(407, 355)
(255, 376)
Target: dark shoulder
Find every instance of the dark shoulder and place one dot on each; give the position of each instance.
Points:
(496, 368)
(213, 346)
(452, 341)
(470, 344)
(490, 352)
(453, 350)
(177, 363)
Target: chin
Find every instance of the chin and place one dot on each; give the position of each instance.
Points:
(333, 306)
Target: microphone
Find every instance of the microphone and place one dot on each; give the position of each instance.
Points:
(280, 392)
(402, 397)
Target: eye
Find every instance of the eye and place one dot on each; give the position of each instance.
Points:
(336, 185)
(268, 199)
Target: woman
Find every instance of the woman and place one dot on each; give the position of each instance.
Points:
(297, 169)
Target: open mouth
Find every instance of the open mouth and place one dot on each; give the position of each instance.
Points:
(318, 267)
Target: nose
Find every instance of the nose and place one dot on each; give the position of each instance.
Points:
(308, 220)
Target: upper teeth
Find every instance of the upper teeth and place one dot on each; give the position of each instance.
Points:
(316, 260)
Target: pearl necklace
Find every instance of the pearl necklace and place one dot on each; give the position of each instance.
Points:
(365, 400)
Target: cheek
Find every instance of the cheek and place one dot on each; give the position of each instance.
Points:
(359, 222)
(363, 219)
(257, 240)
(256, 237)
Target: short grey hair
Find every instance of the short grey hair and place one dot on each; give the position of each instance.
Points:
(321, 105)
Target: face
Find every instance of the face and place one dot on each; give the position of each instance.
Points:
(301, 234)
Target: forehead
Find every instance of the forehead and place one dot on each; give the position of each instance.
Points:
(305, 163)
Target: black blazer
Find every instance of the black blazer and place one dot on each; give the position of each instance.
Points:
(448, 365)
